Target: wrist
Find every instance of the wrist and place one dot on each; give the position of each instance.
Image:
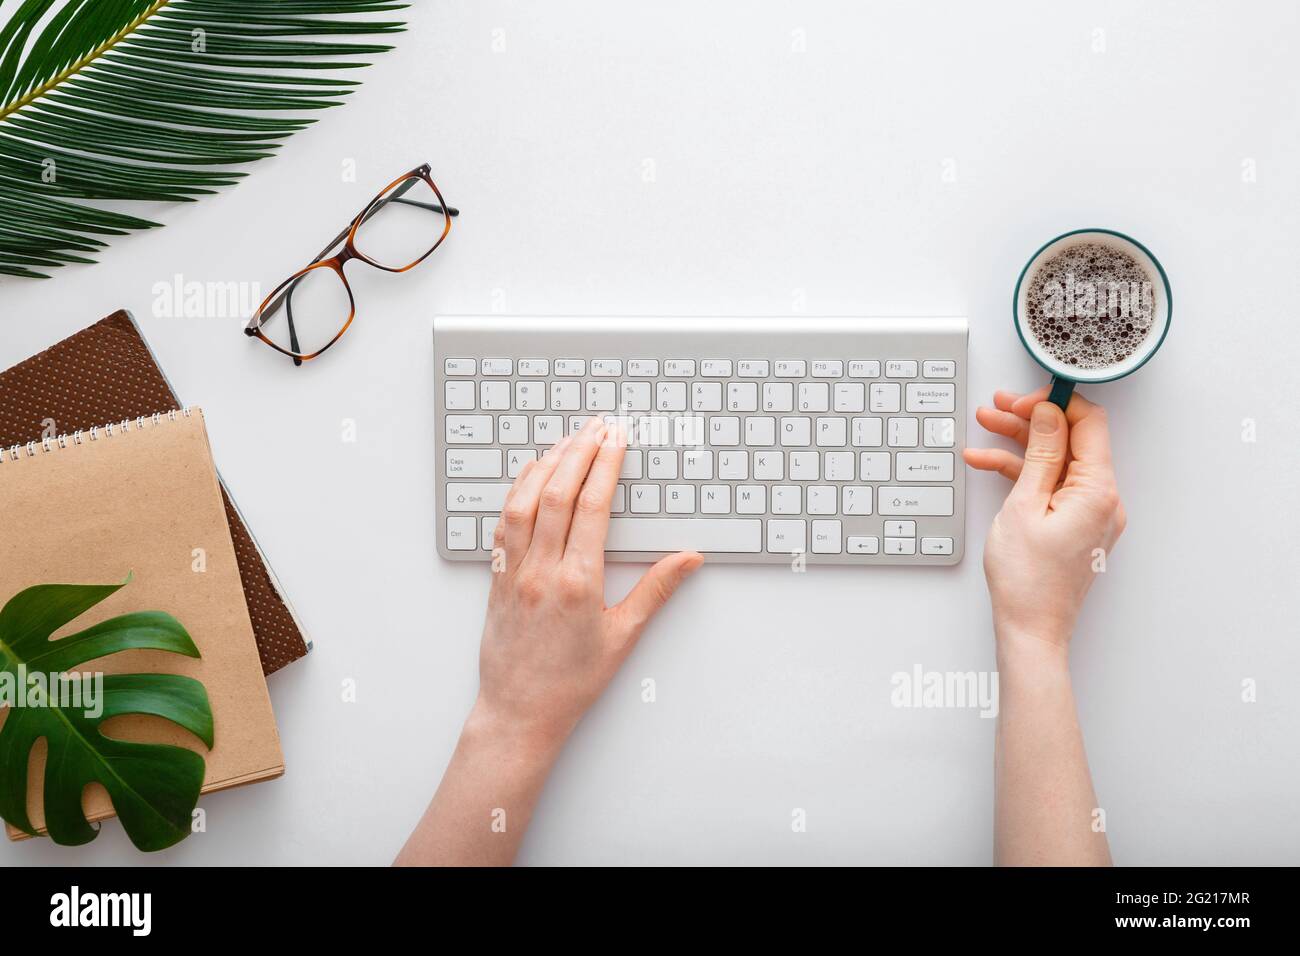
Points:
(510, 738)
(1020, 650)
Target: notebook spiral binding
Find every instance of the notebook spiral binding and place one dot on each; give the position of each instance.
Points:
(94, 433)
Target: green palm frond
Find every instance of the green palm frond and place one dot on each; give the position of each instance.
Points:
(154, 100)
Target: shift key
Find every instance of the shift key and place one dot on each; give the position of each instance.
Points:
(914, 501)
(476, 495)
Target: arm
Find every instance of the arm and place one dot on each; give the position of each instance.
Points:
(1062, 514)
(550, 645)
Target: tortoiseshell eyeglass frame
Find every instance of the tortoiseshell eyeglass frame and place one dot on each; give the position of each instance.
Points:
(393, 192)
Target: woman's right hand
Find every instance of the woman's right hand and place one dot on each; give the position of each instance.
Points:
(1060, 520)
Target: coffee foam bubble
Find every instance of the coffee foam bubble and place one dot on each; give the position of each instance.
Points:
(1090, 306)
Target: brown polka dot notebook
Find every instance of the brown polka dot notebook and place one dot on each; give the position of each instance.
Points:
(107, 373)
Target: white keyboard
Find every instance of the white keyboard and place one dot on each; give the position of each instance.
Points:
(751, 440)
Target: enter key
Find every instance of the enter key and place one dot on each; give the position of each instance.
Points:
(923, 466)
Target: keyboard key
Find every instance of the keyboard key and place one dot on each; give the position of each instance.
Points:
(654, 431)
(706, 397)
(769, 466)
(547, 429)
(861, 368)
(814, 397)
(571, 368)
(679, 368)
(940, 432)
(534, 368)
(618, 504)
(512, 430)
(923, 466)
(837, 465)
(498, 366)
(826, 537)
(634, 396)
(796, 431)
(494, 396)
(900, 546)
(458, 396)
(716, 535)
(856, 500)
(462, 533)
(516, 458)
(476, 463)
(936, 545)
(742, 397)
(828, 368)
(930, 398)
(791, 368)
(733, 465)
(787, 499)
(868, 432)
(606, 368)
(688, 430)
(645, 500)
(832, 432)
(715, 499)
(823, 499)
(662, 464)
(469, 429)
(873, 466)
(716, 368)
(900, 368)
(489, 531)
(900, 529)
(751, 499)
(863, 544)
(476, 496)
(752, 368)
(566, 396)
(902, 432)
(936, 501)
(643, 368)
(724, 430)
(600, 396)
(850, 397)
(937, 369)
(460, 366)
(697, 464)
(786, 536)
(530, 396)
(633, 462)
(778, 397)
(760, 430)
(680, 499)
(670, 396)
(886, 397)
(804, 466)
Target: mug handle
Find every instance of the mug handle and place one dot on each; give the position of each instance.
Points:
(1062, 389)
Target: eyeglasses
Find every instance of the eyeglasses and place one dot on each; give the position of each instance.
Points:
(396, 231)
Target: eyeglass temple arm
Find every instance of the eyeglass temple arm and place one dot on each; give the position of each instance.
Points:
(274, 307)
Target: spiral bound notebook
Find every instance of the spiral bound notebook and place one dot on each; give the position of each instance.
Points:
(141, 498)
(106, 373)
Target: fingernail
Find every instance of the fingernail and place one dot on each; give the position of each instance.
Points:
(1045, 419)
(693, 564)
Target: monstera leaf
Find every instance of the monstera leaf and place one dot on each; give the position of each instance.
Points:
(154, 787)
(153, 100)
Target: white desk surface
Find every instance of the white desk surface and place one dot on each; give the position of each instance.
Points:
(799, 154)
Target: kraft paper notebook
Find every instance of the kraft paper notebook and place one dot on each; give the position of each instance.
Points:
(143, 499)
(107, 373)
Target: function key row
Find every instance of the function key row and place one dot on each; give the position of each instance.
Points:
(707, 368)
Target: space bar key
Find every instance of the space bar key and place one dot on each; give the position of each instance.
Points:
(730, 535)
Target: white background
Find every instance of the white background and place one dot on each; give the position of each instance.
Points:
(798, 152)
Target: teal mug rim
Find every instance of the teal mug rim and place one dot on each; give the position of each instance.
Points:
(1015, 310)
